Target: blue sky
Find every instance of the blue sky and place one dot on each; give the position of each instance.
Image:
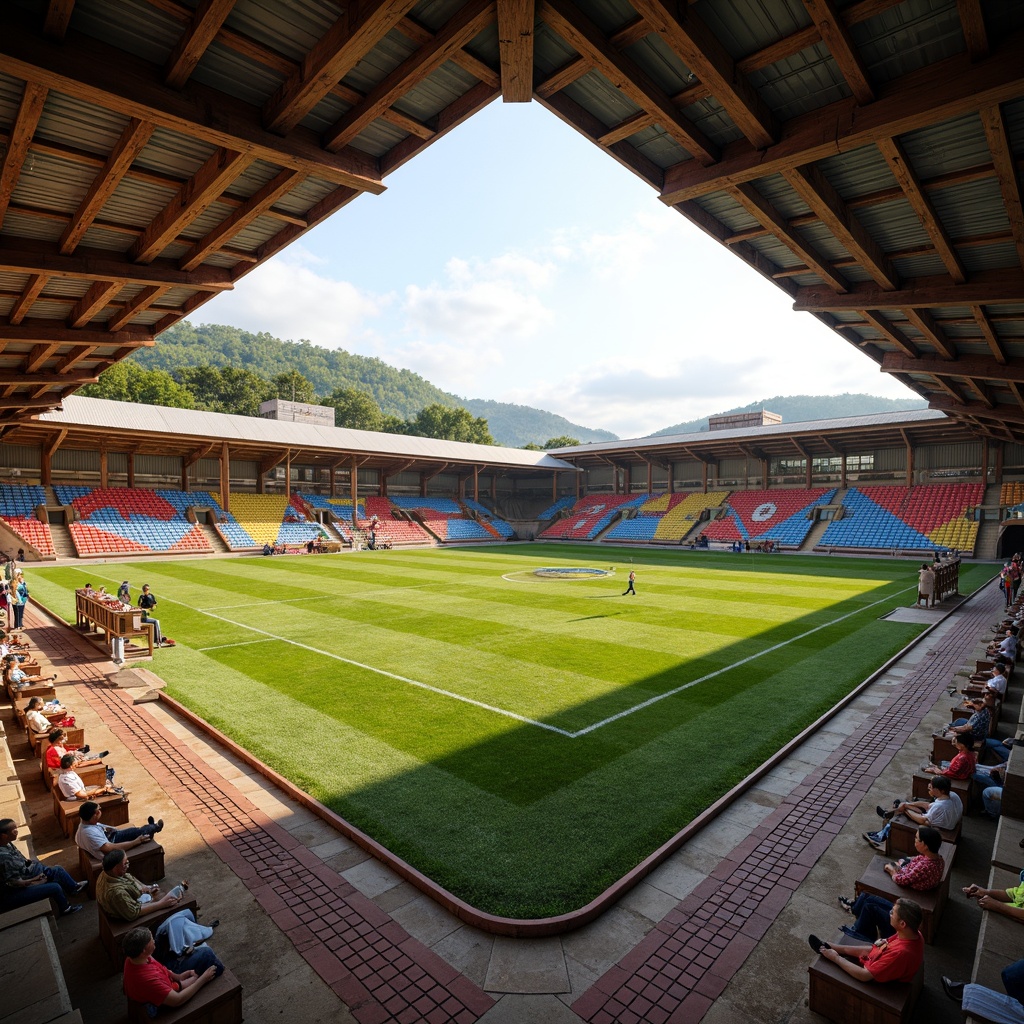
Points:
(512, 260)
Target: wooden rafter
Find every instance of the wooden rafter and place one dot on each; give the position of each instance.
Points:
(29, 111)
(134, 137)
(515, 49)
(979, 367)
(698, 48)
(890, 331)
(760, 208)
(973, 23)
(145, 298)
(466, 23)
(835, 36)
(979, 410)
(624, 129)
(932, 331)
(37, 356)
(190, 203)
(58, 14)
(348, 40)
(94, 72)
(53, 378)
(951, 390)
(572, 71)
(205, 24)
(947, 89)
(984, 287)
(240, 218)
(36, 283)
(899, 164)
(94, 300)
(74, 357)
(1006, 172)
(978, 387)
(988, 332)
(51, 332)
(817, 192)
(585, 37)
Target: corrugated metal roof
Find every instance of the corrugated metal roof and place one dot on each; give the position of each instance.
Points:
(752, 433)
(106, 414)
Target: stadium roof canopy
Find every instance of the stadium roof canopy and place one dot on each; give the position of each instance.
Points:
(865, 156)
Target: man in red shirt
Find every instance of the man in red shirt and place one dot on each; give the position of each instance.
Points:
(146, 980)
(898, 958)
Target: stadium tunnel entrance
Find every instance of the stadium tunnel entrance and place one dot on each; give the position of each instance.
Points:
(1011, 539)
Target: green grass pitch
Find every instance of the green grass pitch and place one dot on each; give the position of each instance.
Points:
(524, 742)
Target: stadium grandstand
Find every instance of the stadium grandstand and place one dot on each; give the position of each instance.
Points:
(864, 156)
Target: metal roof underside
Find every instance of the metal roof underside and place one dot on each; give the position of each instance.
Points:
(865, 156)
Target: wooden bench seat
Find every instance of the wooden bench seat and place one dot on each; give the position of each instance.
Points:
(903, 832)
(964, 788)
(146, 863)
(67, 812)
(75, 738)
(837, 996)
(93, 775)
(113, 931)
(876, 881)
(219, 1002)
(1013, 787)
(1006, 852)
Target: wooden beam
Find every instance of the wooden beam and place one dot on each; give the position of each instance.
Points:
(92, 302)
(58, 14)
(19, 311)
(131, 142)
(950, 88)
(42, 404)
(53, 332)
(998, 138)
(984, 288)
(28, 256)
(899, 164)
(240, 218)
(466, 23)
(763, 211)
(515, 49)
(74, 357)
(624, 129)
(988, 332)
(700, 50)
(973, 23)
(190, 203)
(818, 193)
(890, 331)
(54, 378)
(835, 36)
(29, 111)
(196, 454)
(571, 71)
(978, 367)
(981, 391)
(145, 298)
(932, 331)
(194, 42)
(97, 73)
(978, 410)
(348, 41)
(37, 356)
(630, 79)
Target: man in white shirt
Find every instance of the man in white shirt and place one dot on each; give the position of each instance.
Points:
(97, 839)
(70, 783)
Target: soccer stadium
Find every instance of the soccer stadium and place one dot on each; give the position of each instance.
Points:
(713, 726)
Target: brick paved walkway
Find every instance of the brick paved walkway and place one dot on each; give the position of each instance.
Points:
(680, 968)
(367, 958)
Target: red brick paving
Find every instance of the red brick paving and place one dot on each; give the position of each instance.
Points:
(681, 967)
(369, 961)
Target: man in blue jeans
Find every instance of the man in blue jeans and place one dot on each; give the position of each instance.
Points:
(987, 1004)
(25, 881)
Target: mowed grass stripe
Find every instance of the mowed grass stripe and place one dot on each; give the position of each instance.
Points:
(518, 820)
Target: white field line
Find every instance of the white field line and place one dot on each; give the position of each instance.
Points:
(322, 597)
(241, 643)
(511, 714)
(729, 668)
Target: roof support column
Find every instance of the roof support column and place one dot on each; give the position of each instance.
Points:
(104, 475)
(842, 473)
(288, 475)
(354, 489)
(999, 450)
(578, 475)
(671, 477)
(554, 487)
(910, 465)
(225, 477)
(131, 469)
(810, 463)
(704, 476)
(764, 474)
(476, 484)
(49, 449)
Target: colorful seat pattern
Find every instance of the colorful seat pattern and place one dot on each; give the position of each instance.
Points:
(18, 503)
(589, 516)
(118, 520)
(757, 516)
(397, 531)
(552, 510)
(445, 518)
(928, 517)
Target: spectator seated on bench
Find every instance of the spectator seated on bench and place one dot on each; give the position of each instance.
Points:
(890, 961)
(83, 756)
(980, 723)
(927, 873)
(963, 763)
(71, 787)
(27, 881)
(1006, 902)
(97, 839)
(147, 981)
(981, 1003)
(118, 892)
(943, 811)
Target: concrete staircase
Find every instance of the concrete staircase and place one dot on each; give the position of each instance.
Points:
(214, 538)
(63, 545)
(813, 538)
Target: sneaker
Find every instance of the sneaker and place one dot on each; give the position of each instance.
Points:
(71, 908)
(846, 904)
(81, 887)
(85, 749)
(817, 944)
(102, 754)
(953, 989)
